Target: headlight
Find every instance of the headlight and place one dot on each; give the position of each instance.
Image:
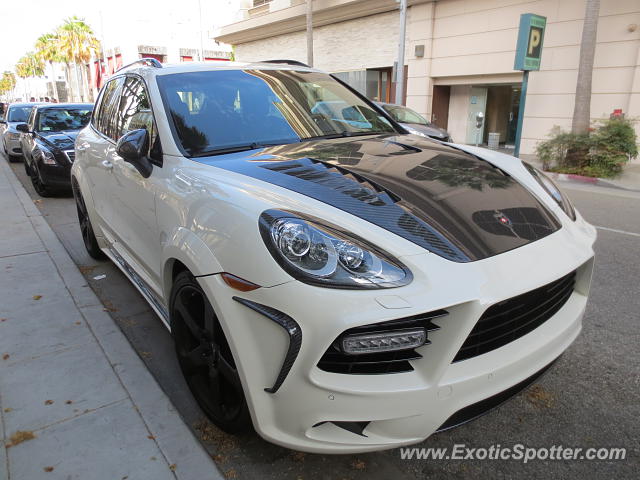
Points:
(46, 156)
(553, 190)
(414, 131)
(323, 255)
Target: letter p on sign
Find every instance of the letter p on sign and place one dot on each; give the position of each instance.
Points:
(535, 37)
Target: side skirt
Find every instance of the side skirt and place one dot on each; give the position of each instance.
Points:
(140, 284)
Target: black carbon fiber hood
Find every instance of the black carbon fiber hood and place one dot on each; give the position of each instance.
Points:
(451, 203)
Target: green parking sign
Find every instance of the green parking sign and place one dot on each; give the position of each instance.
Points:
(530, 38)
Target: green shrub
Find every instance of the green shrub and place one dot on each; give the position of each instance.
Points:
(601, 153)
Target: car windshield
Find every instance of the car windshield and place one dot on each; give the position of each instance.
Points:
(228, 110)
(59, 119)
(404, 115)
(18, 114)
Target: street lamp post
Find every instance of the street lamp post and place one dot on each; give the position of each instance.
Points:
(310, 33)
(401, 42)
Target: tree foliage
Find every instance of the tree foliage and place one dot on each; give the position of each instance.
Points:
(75, 41)
(72, 43)
(30, 65)
(7, 82)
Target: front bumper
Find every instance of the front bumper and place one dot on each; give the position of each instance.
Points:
(400, 408)
(13, 145)
(59, 175)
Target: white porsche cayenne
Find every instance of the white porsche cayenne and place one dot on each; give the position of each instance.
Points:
(334, 282)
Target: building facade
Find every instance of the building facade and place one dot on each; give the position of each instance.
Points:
(459, 57)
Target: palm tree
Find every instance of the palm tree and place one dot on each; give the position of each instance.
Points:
(47, 50)
(76, 44)
(582, 108)
(7, 83)
(29, 66)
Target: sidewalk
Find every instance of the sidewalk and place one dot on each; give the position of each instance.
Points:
(76, 402)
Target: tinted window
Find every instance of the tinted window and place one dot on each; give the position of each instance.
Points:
(58, 119)
(32, 116)
(104, 116)
(217, 110)
(405, 115)
(18, 114)
(134, 111)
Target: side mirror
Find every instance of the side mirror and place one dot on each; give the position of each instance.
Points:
(133, 147)
(22, 127)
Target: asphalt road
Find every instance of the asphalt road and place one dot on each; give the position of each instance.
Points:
(590, 398)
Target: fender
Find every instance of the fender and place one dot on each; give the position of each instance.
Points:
(186, 247)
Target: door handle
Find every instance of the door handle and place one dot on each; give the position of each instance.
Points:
(107, 164)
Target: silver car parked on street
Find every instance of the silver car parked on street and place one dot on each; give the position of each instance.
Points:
(15, 114)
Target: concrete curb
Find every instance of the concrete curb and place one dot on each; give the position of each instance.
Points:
(601, 182)
(172, 436)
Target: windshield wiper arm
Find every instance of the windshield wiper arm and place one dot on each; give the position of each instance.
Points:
(344, 133)
(233, 149)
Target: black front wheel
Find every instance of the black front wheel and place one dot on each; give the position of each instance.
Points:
(205, 357)
(89, 238)
(40, 188)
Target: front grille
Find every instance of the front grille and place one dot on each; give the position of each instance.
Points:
(336, 361)
(71, 155)
(511, 319)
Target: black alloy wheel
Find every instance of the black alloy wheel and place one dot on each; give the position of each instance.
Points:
(205, 357)
(86, 229)
(40, 188)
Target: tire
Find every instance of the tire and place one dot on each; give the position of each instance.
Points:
(40, 188)
(86, 229)
(205, 358)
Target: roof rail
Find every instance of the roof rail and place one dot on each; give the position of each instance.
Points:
(149, 62)
(287, 62)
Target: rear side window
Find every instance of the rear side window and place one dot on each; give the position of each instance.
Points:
(32, 117)
(104, 118)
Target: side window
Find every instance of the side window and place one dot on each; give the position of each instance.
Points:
(135, 111)
(32, 117)
(103, 120)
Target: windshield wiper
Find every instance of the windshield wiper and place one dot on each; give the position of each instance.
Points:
(234, 149)
(342, 134)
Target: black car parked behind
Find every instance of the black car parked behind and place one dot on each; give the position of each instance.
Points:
(48, 143)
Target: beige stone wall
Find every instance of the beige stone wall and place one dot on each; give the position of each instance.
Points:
(367, 42)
